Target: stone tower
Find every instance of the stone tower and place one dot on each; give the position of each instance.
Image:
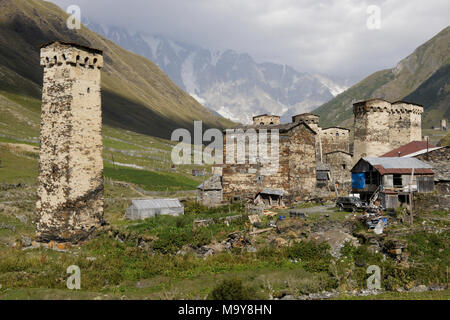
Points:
(70, 183)
(405, 123)
(371, 128)
(381, 126)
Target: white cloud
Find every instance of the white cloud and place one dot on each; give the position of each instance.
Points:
(328, 36)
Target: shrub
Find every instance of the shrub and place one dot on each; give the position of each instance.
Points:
(316, 256)
(232, 289)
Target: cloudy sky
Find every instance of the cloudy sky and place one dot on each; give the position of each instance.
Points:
(327, 36)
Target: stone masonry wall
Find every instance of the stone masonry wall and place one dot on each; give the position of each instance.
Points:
(335, 139)
(295, 175)
(302, 161)
(381, 126)
(340, 166)
(266, 120)
(70, 182)
(371, 125)
(404, 124)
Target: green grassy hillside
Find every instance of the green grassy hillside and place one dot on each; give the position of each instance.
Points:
(435, 94)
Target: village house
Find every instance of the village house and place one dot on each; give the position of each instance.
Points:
(209, 193)
(303, 145)
(392, 178)
(439, 159)
(296, 171)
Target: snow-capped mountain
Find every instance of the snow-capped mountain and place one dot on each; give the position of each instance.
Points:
(229, 83)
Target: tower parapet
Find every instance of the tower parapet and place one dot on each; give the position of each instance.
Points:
(266, 119)
(63, 53)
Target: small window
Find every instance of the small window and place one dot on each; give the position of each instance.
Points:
(398, 180)
(337, 134)
(271, 123)
(88, 90)
(344, 166)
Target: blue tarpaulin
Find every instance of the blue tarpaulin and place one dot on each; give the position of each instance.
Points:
(358, 180)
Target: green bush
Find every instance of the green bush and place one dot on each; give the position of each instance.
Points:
(232, 289)
(315, 256)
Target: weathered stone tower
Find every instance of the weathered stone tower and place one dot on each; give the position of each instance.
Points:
(405, 123)
(381, 126)
(371, 124)
(70, 183)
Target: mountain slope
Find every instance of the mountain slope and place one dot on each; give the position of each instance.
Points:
(397, 83)
(230, 83)
(136, 94)
(434, 93)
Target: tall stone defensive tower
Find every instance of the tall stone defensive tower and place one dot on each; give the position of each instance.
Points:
(381, 126)
(405, 123)
(70, 183)
(371, 125)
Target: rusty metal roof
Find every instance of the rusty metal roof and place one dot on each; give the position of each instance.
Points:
(407, 149)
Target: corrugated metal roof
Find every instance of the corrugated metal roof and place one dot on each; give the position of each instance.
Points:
(384, 171)
(398, 163)
(156, 203)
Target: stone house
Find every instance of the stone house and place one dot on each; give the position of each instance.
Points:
(296, 166)
(392, 178)
(303, 145)
(209, 193)
(439, 160)
(340, 163)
